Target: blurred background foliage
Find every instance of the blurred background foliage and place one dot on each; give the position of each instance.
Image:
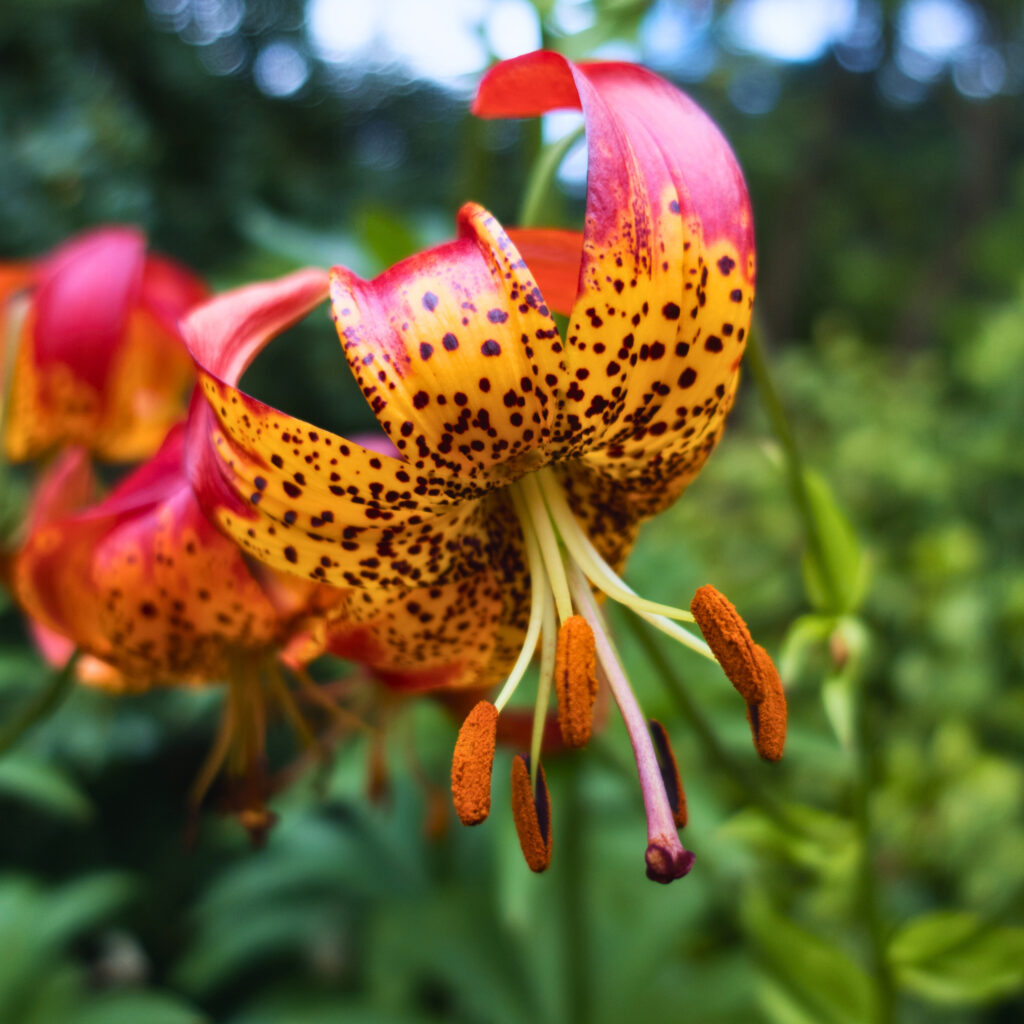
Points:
(877, 874)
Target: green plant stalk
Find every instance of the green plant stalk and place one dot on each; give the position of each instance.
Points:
(869, 901)
(755, 360)
(542, 178)
(867, 880)
(575, 931)
(40, 706)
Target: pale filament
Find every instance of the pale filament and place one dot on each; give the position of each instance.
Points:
(601, 574)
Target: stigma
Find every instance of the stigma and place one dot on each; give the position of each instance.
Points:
(567, 576)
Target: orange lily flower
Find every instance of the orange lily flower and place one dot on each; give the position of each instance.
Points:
(526, 458)
(152, 594)
(97, 356)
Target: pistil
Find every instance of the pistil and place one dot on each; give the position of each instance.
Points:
(666, 857)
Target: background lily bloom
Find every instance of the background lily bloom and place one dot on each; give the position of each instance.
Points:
(152, 594)
(527, 459)
(92, 333)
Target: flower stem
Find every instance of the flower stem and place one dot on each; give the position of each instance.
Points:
(575, 931)
(870, 897)
(755, 360)
(40, 706)
(542, 175)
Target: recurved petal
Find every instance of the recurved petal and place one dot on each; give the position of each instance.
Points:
(301, 499)
(145, 583)
(666, 271)
(458, 356)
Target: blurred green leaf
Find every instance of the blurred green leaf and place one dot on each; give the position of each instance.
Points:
(846, 564)
(386, 235)
(821, 976)
(39, 783)
(954, 957)
(137, 1007)
(35, 927)
(805, 633)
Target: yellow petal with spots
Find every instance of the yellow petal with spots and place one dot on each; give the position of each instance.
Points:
(458, 357)
(666, 267)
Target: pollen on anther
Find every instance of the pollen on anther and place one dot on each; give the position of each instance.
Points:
(531, 811)
(575, 680)
(749, 667)
(768, 718)
(472, 763)
(730, 641)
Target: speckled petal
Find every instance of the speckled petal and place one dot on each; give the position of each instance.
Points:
(143, 581)
(301, 499)
(449, 636)
(458, 357)
(667, 268)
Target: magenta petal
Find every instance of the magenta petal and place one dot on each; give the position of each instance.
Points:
(225, 334)
(86, 290)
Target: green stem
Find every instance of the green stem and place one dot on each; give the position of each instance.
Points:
(722, 759)
(40, 706)
(867, 880)
(574, 901)
(542, 178)
(754, 359)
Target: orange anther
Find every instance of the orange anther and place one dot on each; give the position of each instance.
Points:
(472, 763)
(768, 718)
(531, 810)
(748, 666)
(575, 680)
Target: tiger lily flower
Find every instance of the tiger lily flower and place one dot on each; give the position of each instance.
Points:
(97, 360)
(526, 458)
(152, 595)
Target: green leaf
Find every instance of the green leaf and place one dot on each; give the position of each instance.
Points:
(44, 786)
(845, 565)
(954, 957)
(136, 1007)
(82, 904)
(804, 635)
(820, 976)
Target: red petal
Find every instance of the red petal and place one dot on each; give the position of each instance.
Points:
(225, 334)
(554, 258)
(86, 289)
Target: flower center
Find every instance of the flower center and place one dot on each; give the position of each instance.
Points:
(565, 570)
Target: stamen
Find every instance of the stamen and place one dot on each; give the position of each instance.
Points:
(590, 560)
(472, 763)
(539, 592)
(531, 811)
(749, 667)
(730, 641)
(547, 674)
(218, 752)
(575, 681)
(666, 857)
(669, 773)
(548, 541)
(768, 719)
